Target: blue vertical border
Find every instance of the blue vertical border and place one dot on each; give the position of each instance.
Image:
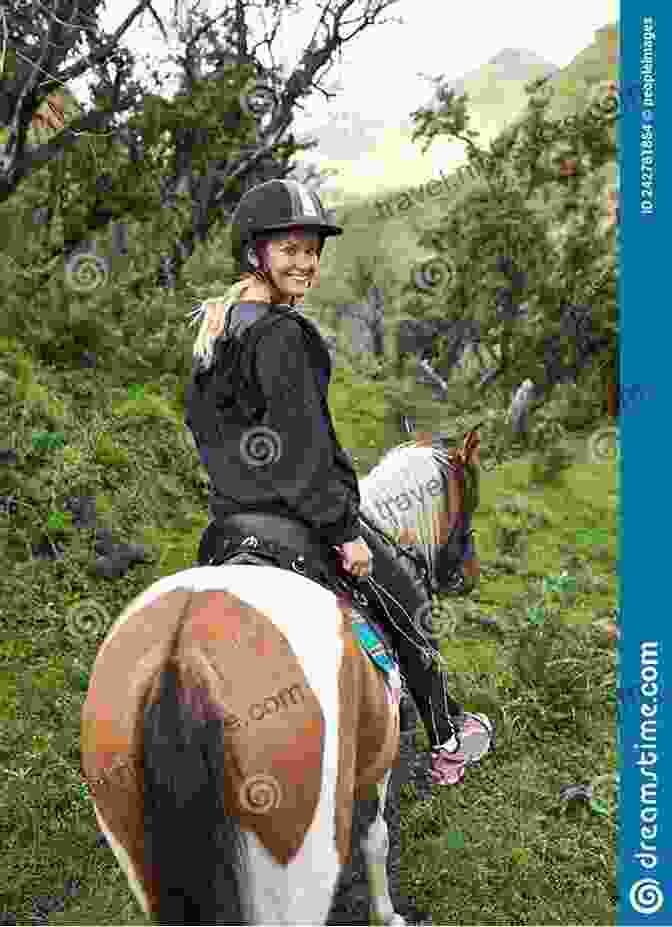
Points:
(645, 852)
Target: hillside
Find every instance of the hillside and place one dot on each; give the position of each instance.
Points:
(374, 159)
(496, 82)
(376, 162)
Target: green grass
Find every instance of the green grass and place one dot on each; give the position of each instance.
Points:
(500, 849)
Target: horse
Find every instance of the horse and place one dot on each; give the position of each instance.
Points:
(232, 719)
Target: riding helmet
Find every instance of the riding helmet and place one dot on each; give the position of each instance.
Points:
(275, 205)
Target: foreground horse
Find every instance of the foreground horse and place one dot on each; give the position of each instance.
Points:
(232, 718)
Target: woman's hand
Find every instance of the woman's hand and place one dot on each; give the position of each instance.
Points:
(216, 318)
(356, 557)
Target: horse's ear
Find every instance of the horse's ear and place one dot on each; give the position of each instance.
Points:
(471, 445)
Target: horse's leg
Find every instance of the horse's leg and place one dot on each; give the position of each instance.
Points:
(375, 847)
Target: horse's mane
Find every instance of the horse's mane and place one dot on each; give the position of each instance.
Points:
(408, 469)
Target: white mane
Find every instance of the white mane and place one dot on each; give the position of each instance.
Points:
(406, 491)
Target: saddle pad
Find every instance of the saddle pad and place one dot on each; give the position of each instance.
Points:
(370, 637)
(374, 646)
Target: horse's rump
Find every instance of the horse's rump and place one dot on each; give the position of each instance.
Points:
(292, 702)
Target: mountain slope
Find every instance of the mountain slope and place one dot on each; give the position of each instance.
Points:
(497, 99)
(374, 159)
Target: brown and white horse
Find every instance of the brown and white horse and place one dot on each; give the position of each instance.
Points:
(231, 720)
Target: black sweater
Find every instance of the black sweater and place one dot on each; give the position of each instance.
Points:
(265, 398)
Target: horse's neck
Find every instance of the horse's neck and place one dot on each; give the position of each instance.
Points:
(404, 526)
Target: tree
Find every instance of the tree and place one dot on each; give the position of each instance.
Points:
(266, 97)
(190, 158)
(39, 38)
(532, 228)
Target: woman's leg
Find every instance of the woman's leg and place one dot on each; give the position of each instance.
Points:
(427, 685)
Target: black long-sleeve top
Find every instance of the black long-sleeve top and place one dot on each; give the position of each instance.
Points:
(265, 399)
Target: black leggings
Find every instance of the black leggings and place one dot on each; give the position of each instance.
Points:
(426, 684)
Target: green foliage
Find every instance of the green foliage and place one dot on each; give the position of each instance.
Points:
(538, 200)
(62, 312)
(359, 409)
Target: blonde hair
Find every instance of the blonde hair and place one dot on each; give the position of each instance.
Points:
(213, 315)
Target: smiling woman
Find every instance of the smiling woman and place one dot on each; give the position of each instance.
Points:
(259, 413)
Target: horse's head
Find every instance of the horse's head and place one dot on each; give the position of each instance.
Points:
(423, 495)
(456, 545)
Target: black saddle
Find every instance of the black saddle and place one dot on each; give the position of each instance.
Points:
(273, 540)
(261, 538)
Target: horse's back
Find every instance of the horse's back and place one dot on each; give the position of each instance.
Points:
(271, 652)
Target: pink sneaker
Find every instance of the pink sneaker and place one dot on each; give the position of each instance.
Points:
(448, 766)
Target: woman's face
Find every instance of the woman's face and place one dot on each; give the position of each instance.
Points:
(292, 260)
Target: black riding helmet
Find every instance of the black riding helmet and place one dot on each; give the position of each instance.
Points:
(273, 206)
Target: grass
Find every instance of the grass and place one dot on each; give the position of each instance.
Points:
(502, 848)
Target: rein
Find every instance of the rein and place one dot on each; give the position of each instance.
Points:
(403, 549)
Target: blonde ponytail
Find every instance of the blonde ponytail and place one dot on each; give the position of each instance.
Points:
(213, 316)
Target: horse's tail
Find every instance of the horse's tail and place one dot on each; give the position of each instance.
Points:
(193, 849)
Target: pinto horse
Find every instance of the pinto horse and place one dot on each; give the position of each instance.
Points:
(232, 718)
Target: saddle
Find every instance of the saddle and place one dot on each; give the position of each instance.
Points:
(272, 540)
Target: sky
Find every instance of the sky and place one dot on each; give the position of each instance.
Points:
(380, 67)
(379, 74)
